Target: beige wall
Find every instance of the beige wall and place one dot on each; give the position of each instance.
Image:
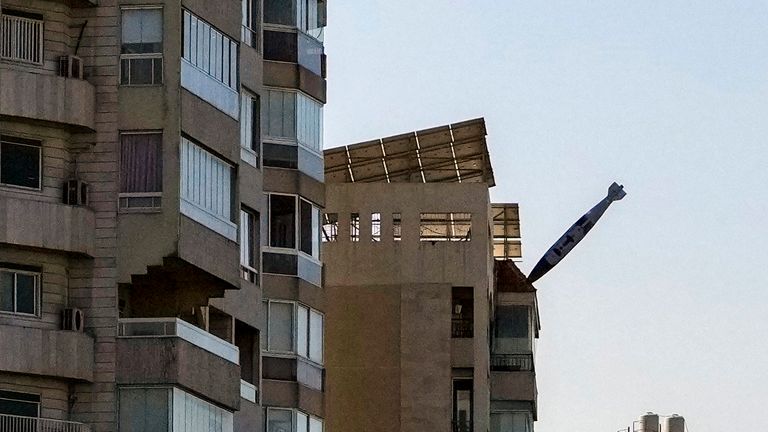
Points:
(394, 298)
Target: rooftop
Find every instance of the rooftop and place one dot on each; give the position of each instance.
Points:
(454, 153)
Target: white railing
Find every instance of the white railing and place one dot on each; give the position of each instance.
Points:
(12, 423)
(248, 391)
(175, 327)
(21, 39)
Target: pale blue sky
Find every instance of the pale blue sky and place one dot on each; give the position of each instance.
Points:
(664, 306)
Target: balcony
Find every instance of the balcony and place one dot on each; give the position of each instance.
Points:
(56, 353)
(50, 98)
(512, 362)
(172, 351)
(12, 423)
(21, 221)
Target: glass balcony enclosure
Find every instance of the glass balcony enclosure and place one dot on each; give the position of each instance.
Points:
(513, 339)
(309, 16)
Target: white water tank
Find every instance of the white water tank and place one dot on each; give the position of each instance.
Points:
(648, 422)
(673, 423)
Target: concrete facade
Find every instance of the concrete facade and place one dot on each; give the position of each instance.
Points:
(169, 295)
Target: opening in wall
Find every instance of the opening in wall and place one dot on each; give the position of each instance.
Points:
(141, 170)
(330, 227)
(354, 227)
(375, 227)
(445, 227)
(19, 292)
(141, 50)
(249, 243)
(20, 162)
(397, 229)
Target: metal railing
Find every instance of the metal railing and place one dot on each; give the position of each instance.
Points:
(512, 362)
(175, 327)
(462, 328)
(21, 39)
(13, 423)
(461, 426)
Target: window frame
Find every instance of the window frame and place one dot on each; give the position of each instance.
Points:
(250, 270)
(295, 418)
(214, 54)
(155, 196)
(296, 250)
(25, 142)
(8, 395)
(251, 32)
(250, 153)
(293, 140)
(37, 291)
(294, 353)
(155, 56)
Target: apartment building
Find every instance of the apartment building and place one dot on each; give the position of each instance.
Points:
(161, 185)
(431, 326)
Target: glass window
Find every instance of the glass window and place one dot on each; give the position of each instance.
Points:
(249, 242)
(206, 180)
(19, 404)
(310, 229)
(316, 336)
(280, 327)
(280, 12)
(20, 162)
(280, 112)
(144, 409)
(310, 123)
(302, 422)
(315, 425)
(512, 321)
(251, 23)
(141, 163)
(141, 59)
(210, 50)
(250, 123)
(512, 421)
(302, 332)
(282, 220)
(280, 155)
(462, 405)
(19, 292)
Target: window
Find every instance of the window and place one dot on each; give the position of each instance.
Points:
(210, 50)
(21, 37)
(305, 341)
(280, 12)
(462, 319)
(285, 223)
(19, 404)
(159, 408)
(330, 227)
(309, 334)
(282, 221)
(354, 227)
(251, 22)
(445, 227)
(20, 162)
(462, 405)
(249, 243)
(309, 228)
(375, 227)
(141, 170)
(512, 421)
(141, 51)
(397, 229)
(281, 156)
(291, 420)
(19, 292)
(206, 188)
(511, 321)
(293, 117)
(250, 127)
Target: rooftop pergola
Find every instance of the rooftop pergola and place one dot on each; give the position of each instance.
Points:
(451, 153)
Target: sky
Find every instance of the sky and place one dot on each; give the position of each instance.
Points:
(664, 306)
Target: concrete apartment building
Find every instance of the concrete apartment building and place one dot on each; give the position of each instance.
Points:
(161, 183)
(431, 326)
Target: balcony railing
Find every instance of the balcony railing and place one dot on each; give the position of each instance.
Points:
(512, 362)
(21, 39)
(12, 423)
(461, 328)
(175, 327)
(461, 426)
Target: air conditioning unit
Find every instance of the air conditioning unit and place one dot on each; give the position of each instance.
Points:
(71, 66)
(76, 192)
(72, 319)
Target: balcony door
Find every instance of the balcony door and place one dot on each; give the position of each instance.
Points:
(462, 405)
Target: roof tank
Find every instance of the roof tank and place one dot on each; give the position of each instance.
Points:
(648, 422)
(673, 423)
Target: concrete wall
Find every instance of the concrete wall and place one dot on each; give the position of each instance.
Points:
(55, 353)
(513, 386)
(176, 361)
(49, 98)
(22, 222)
(389, 307)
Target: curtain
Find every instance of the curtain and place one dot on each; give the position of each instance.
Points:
(141, 163)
